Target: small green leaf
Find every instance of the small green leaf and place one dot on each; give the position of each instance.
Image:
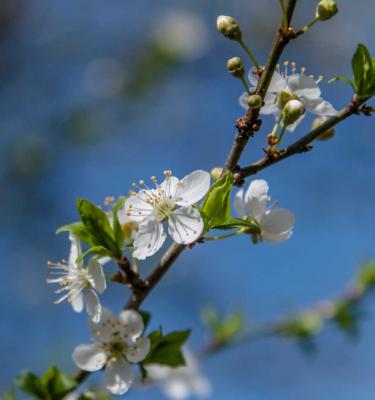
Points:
(366, 276)
(146, 316)
(363, 71)
(117, 229)
(99, 251)
(57, 384)
(347, 317)
(167, 350)
(29, 383)
(216, 206)
(78, 229)
(97, 223)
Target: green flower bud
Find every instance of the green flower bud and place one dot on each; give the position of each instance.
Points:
(216, 173)
(326, 9)
(328, 134)
(255, 101)
(283, 97)
(236, 67)
(229, 27)
(292, 111)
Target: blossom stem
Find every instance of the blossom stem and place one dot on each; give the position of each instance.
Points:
(308, 26)
(280, 138)
(246, 85)
(228, 235)
(277, 125)
(249, 53)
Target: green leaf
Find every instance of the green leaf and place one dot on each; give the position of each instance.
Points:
(57, 384)
(146, 316)
(366, 276)
(167, 350)
(99, 251)
(216, 206)
(363, 71)
(53, 385)
(79, 230)
(117, 229)
(97, 223)
(29, 383)
(347, 317)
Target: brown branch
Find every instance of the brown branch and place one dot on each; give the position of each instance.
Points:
(249, 123)
(301, 145)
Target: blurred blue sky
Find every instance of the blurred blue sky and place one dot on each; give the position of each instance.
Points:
(85, 110)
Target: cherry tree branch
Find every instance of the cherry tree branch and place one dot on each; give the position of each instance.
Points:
(301, 145)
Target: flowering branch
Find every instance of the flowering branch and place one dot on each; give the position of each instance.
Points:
(301, 145)
(249, 123)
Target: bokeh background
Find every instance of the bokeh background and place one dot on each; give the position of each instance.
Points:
(94, 95)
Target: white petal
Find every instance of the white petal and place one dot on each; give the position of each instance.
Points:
(96, 275)
(149, 238)
(256, 198)
(169, 186)
(270, 105)
(277, 225)
(104, 328)
(133, 322)
(177, 388)
(303, 85)
(243, 100)
(319, 107)
(157, 372)
(118, 377)
(253, 77)
(185, 225)
(75, 250)
(201, 386)
(239, 204)
(278, 83)
(137, 207)
(89, 357)
(192, 188)
(92, 304)
(139, 350)
(77, 303)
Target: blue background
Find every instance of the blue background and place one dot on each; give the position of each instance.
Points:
(62, 137)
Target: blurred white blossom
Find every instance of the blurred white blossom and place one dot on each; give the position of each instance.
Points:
(184, 35)
(182, 382)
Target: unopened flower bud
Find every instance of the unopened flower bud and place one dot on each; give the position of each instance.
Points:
(292, 111)
(236, 67)
(216, 173)
(328, 134)
(255, 101)
(326, 9)
(229, 27)
(283, 97)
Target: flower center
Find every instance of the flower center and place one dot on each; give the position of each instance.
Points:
(164, 209)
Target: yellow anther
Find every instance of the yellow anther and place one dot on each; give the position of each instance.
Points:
(286, 63)
(134, 185)
(277, 65)
(303, 70)
(141, 182)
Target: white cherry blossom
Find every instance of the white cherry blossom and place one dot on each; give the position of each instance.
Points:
(284, 87)
(119, 342)
(79, 283)
(172, 201)
(182, 382)
(276, 224)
